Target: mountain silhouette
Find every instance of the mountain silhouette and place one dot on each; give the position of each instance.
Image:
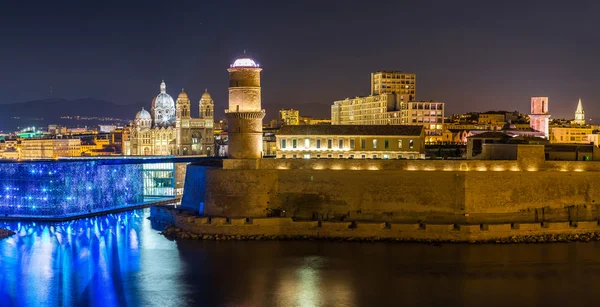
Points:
(41, 113)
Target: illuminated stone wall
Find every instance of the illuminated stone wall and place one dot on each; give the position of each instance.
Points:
(436, 191)
(61, 189)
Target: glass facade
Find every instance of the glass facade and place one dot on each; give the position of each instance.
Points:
(70, 188)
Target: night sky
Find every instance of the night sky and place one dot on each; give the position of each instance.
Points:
(472, 55)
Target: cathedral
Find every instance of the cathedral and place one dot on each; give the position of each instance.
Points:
(169, 129)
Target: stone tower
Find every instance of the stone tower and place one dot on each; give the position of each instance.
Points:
(539, 117)
(182, 123)
(207, 106)
(245, 114)
(579, 114)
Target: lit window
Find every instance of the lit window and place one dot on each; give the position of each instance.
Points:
(306, 156)
(306, 143)
(387, 144)
(411, 144)
(399, 144)
(283, 144)
(294, 143)
(374, 144)
(386, 156)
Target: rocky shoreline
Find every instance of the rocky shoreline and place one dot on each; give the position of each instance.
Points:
(172, 232)
(5, 233)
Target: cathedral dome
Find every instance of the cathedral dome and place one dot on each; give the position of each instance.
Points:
(163, 107)
(182, 95)
(206, 95)
(143, 114)
(244, 61)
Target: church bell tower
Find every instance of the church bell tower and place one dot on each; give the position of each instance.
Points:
(245, 114)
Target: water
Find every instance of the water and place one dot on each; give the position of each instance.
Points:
(121, 260)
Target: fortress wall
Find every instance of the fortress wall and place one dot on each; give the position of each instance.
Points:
(405, 191)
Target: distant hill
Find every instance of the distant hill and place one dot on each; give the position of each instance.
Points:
(41, 113)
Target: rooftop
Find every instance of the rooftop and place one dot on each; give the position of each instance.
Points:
(412, 130)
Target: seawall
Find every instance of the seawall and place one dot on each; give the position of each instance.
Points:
(401, 191)
(287, 228)
(469, 196)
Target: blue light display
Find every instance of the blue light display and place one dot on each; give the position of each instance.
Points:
(70, 188)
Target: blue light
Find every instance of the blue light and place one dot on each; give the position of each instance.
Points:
(77, 187)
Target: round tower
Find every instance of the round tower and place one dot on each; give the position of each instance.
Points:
(245, 114)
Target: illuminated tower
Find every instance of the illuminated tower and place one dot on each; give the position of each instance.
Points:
(579, 114)
(539, 117)
(207, 106)
(245, 114)
(182, 125)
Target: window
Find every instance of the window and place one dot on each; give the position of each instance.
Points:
(340, 144)
(386, 144)
(329, 156)
(282, 156)
(374, 156)
(352, 143)
(374, 144)
(306, 143)
(363, 156)
(363, 144)
(294, 156)
(329, 143)
(386, 156)
(399, 144)
(294, 143)
(318, 143)
(283, 144)
(341, 156)
(411, 144)
(318, 156)
(351, 156)
(306, 156)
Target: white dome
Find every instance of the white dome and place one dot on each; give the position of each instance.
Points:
(143, 114)
(164, 107)
(244, 62)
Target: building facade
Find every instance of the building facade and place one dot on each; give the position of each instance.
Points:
(170, 128)
(50, 148)
(388, 81)
(351, 142)
(245, 113)
(570, 135)
(539, 117)
(289, 117)
(389, 109)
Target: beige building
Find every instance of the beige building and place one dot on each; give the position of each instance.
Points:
(390, 109)
(289, 117)
(570, 135)
(170, 129)
(388, 81)
(50, 148)
(351, 142)
(492, 118)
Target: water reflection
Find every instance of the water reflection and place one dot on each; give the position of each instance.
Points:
(88, 262)
(121, 260)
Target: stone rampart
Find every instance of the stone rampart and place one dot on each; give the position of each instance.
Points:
(286, 227)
